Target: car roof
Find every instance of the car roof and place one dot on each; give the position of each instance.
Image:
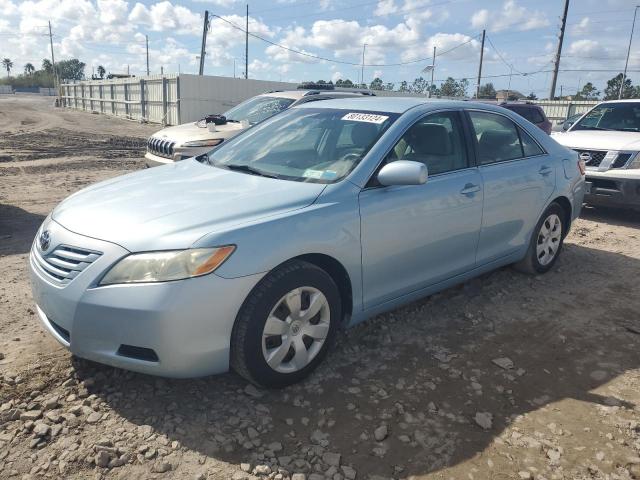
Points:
(388, 104)
(623, 100)
(298, 94)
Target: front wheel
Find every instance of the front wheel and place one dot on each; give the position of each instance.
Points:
(286, 325)
(546, 242)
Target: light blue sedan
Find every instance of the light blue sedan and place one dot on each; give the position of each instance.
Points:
(255, 256)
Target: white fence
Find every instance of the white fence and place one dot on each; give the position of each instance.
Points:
(560, 109)
(48, 91)
(6, 89)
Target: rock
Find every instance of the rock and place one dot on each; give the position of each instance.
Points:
(102, 459)
(316, 476)
(349, 473)
(245, 467)
(484, 420)
(31, 415)
(332, 459)
(524, 475)
(240, 476)
(1, 356)
(94, 417)
(275, 447)
(553, 455)
(298, 476)
(50, 403)
(41, 430)
(161, 467)
(262, 470)
(252, 391)
(503, 362)
(381, 433)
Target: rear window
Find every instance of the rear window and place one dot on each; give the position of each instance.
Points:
(530, 113)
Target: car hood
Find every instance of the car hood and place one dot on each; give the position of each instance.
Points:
(172, 206)
(599, 140)
(191, 131)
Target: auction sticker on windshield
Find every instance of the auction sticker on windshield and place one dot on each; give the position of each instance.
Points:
(365, 117)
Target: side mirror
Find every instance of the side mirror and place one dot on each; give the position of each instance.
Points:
(403, 172)
(567, 125)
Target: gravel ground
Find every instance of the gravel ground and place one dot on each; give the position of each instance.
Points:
(504, 377)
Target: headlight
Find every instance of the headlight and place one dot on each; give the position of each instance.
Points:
(167, 265)
(203, 143)
(635, 163)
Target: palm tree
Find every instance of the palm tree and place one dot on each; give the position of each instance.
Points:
(8, 64)
(47, 66)
(101, 71)
(29, 68)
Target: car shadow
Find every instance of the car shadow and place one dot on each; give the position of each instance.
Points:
(426, 371)
(18, 227)
(612, 216)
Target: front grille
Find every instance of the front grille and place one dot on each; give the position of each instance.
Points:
(621, 160)
(596, 157)
(64, 263)
(160, 147)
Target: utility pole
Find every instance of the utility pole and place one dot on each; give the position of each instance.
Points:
(364, 47)
(556, 66)
(203, 52)
(53, 60)
(147, 39)
(480, 67)
(626, 63)
(234, 67)
(246, 46)
(432, 71)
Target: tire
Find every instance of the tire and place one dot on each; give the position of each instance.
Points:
(258, 347)
(534, 261)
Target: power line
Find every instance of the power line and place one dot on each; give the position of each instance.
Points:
(342, 62)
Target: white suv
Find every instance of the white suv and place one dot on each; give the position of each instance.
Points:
(608, 140)
(191, 139)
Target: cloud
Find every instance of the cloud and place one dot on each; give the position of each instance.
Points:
(163, 16)
(582, 26)
(511, 15)
(587, 48)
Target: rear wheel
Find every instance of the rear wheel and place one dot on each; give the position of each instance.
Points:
(546, 242)
(286, 325)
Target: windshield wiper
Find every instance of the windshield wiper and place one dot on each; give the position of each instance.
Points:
(595, 128)
(247, 169)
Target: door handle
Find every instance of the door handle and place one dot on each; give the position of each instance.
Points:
(470, 188)
(544, 170)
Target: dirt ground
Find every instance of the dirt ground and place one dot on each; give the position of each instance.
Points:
(505, 377)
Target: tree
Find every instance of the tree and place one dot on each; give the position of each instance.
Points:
(532, 96)
(8, 65)
(404, 86)
(589, 92)
(71, 69)
(487, 91)
(101, 71)
(47, 66)
(29, 69)
(613, 88)
(377, 84)
(452, 88)
(344, 83)
(389, 86)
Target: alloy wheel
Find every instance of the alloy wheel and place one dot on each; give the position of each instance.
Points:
(296, 329)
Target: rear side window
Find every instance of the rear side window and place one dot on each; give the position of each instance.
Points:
(529, 145)
(497, 138)
(530, 113)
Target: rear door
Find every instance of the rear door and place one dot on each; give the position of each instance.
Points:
(518, 177)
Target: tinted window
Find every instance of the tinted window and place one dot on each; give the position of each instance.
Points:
(319, 145)
(436, 140)
(530, 113)
(529, 145)
(497, 137)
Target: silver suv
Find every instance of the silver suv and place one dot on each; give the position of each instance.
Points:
(192, 139)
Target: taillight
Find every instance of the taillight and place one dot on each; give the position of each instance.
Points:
(581, 167)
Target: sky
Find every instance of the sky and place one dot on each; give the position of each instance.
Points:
(522, 37)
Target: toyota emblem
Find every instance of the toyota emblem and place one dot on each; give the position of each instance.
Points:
(44, 240)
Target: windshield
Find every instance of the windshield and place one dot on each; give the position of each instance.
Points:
(308, 145)
(257, 109)
(623, 116)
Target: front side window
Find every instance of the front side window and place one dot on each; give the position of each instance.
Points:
(319, 145)
(497, 138)
(623, 116)
(257, 109)
(436, 140)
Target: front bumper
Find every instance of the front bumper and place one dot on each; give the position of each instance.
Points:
(187, 324)
(613, 188)
(181, 153)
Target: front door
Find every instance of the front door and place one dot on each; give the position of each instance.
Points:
(418, 235)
